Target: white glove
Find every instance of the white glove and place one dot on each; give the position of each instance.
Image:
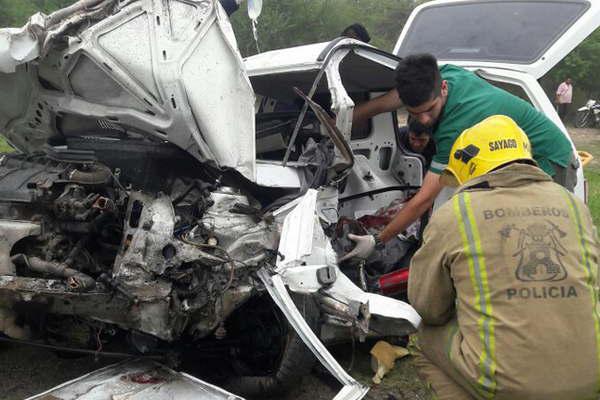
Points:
(364, 247)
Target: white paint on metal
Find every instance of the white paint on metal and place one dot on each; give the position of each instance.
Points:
(297, 231)
(167, 69)
(306, 249)
(17, 46)
(352, 390)
(275, 175)
(122, 381)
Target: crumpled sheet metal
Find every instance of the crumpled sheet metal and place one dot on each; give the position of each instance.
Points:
(306, 249)
(136, 380)
(352, 390)
(145, 243)
(164, 68)
(19, 45)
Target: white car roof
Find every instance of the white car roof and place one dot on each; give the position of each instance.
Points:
(299, 58)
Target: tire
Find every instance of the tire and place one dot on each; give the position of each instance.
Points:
(293, 362)
(583, 119)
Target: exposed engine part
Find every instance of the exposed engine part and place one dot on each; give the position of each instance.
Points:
(161, 263)
(353, 313)
(91, 174)
(76, 281)
(112, 283)
(10, 233)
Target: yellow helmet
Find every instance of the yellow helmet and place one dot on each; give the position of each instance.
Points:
(493, 142)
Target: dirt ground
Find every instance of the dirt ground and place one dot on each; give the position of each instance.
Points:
(589, 139)
(27, 371)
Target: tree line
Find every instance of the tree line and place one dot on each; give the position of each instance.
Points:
(286, 23)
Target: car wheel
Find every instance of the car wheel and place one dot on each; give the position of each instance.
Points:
(270, 357)
(583, 119)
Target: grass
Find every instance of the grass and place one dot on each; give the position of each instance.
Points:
(5, 147)
(593, 178)
(592, 174)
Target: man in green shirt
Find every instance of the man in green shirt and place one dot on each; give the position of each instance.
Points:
(451, 99)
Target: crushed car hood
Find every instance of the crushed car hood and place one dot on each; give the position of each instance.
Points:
(168, 71)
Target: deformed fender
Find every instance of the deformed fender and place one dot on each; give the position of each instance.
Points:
(307, 264)
(307, 251)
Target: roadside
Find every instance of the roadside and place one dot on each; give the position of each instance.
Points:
(588, 139)
(28, 371)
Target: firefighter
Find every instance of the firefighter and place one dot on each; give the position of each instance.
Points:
(507, 278)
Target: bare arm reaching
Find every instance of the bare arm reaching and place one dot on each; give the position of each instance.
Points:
(414, 208)
(385, 103)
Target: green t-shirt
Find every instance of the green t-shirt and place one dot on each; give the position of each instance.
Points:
(471, 99)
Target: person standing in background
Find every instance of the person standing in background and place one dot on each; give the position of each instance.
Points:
(564, 96)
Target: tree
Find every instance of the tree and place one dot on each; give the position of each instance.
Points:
(286, 23)
(16, 12)
(283, 23)
(581, 65)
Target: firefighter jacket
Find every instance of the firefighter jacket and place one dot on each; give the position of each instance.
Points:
(512, 262)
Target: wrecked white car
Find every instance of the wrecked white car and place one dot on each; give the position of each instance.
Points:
(135, 215)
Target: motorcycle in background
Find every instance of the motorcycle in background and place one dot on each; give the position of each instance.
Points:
(588, 116)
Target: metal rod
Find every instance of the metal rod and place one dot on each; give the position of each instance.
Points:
(311, 93)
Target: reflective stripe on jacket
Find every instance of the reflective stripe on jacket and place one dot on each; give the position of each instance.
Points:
(515, 257)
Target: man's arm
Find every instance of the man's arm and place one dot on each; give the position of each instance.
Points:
(414, 208)
(385, 103)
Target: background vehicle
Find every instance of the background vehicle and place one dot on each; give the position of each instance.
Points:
(588, 116)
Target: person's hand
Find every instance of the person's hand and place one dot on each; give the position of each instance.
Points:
(363, 249)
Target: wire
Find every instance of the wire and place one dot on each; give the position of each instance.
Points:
(226, 259)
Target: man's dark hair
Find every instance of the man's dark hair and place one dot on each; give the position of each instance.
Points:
(357, 31)
(418, 79)
(418, 128)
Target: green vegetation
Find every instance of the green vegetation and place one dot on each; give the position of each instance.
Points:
(591, 144)
(593, 179)
(16, 12)
(5, 147)
(285, 23)
(581, 65)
